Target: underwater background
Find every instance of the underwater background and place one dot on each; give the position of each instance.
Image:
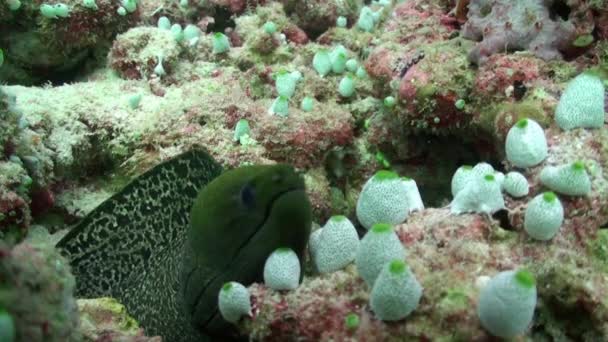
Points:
(447, 180)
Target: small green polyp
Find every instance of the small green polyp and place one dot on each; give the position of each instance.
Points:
(525, 278)
(338, 218)
(351, 321)
(382, 228)
(549, 197)
(227, 287)
(578, 166)
(385, 175)
(220, 43)
(397, 267)
(522, 123)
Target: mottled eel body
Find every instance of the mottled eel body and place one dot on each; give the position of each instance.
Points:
(166, 243)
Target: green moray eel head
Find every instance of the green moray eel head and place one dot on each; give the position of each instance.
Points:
(237, 220)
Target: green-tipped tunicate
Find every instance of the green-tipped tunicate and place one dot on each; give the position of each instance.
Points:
(321, 62)
(164, 23)
(461, 178)
(526, 145)
(379, 246)
(516, 184)
(337, 245)
(352, 65)
(280, 106)
(135, 100)
(285, 83)
(307, 104)
(567, 179)
(361, 73)
(366, 20)
(582, 103)
(234, 302)
(192, 34)
(177, 32)
(241, 129)
(338, 57)
(396, 292)
(466, 173)
(346, 88)
(414, 200)
(482, 194)
(544, 216)
(282, 270)
(383, 199)
(313, 241)
(221, 44)
(506, 303)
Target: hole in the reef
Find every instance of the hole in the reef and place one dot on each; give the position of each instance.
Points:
(503, 219)
(223, 20)
(56, 76)
(519, 90)
(431, 161)
(572, 317)
(435, 161)
(559, 9)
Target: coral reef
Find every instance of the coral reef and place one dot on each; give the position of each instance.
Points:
(40, 47)
(38, 291)
(104, 319)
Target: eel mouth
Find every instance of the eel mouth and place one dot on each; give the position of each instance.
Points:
(215, 311)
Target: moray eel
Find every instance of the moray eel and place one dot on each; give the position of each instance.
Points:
(166, 243)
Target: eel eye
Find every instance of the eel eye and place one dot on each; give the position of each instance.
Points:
(247, 196)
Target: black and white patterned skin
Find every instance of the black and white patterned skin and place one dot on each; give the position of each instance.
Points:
(130, 247)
